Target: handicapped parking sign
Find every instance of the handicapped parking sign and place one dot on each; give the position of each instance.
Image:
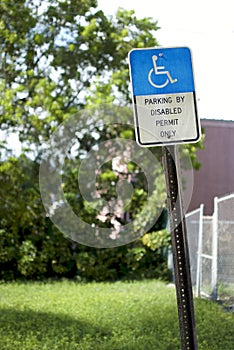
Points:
(164, 96)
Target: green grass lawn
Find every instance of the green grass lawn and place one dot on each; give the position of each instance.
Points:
(124, 316)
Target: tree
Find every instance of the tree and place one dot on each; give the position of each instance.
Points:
(58, 58)
(52, 52)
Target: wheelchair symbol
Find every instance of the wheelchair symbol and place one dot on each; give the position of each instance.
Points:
(159, 70)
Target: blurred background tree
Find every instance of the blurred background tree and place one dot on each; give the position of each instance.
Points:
(59, 57)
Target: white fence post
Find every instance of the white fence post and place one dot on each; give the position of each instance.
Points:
(199, 252)
(215, 252)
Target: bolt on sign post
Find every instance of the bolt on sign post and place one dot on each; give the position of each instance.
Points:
(165, 115)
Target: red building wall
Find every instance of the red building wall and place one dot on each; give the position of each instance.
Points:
(216, 175)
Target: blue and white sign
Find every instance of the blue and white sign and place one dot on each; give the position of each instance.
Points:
(164, 96)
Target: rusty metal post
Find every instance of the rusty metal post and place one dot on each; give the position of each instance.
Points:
(180, 250)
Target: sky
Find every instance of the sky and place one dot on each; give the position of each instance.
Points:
(207, 28)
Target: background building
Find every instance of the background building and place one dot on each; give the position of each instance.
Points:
(216, 175)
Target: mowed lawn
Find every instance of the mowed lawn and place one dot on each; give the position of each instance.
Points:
(124, 316)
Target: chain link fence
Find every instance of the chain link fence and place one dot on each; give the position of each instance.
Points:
(224, 226)
(206, 257)
(193, 227)
(211, 249)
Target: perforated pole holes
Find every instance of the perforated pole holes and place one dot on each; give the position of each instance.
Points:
(180, 251)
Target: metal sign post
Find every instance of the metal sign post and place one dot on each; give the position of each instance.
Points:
(165, 115)
(180, 250)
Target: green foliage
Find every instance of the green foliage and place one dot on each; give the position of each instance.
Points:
(52, 53)
(57, 58)
(140, 315)
(31, 247)
(27, 252)
(134, 261)
(156, 240)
